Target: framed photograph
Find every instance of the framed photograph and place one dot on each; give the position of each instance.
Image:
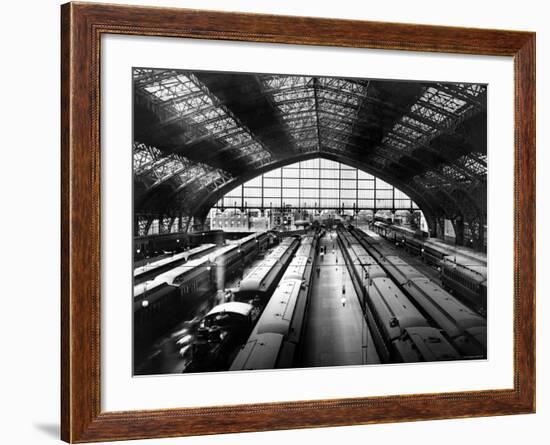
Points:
(275, 222)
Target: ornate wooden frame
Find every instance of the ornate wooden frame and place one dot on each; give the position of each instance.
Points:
(81, 28)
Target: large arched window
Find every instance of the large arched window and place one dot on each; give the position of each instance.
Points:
(317, 184)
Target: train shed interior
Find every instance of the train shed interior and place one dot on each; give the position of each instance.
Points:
(200, 135)
(286, 221)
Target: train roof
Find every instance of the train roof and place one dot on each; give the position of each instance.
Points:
(172, 258)
(289, 240)
(155, 290)
(233, 307)
(366, 260)
(401, 270)
(480, 334)
(222, 250)
(156, 264)
(296, 268)
(453, 309)
(430, 343)
(170, 276)
(405, 229)
(148, 286)
(259, 352)
(254, 279)
(391, 299)
(177, 271)
(460, 251)
(242, 240)
(278, 251)
(278, 312)
(375, 271)
(475, 273)
(304, 250)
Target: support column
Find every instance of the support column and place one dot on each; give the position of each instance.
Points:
(458, 224)
(479, 235)
(440, 232)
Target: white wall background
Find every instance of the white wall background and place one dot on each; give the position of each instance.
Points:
(29, 250)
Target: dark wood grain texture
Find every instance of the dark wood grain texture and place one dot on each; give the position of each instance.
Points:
(82, 26)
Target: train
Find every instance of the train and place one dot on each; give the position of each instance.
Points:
(216, 347)
(462, 270)
(259, 283)
(170, 296)
(400, 331)
(149, 245)
(149, 270)
(222, 330)
(275, 340)
(468, 281)
(466, 329)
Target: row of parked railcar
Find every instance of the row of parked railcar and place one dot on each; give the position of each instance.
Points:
(175, 242)
(400, 331)
(149, 270)
(275, 340)
(462, 270)
(228, 325)
(466, 329)
(162, 302)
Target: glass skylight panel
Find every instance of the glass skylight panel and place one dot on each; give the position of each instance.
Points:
(428, 113)
(425, 127)
(282, 82)
(343, 85)
(454, 173)
(306, 93)
(406, 131)
(474, 165)
(443, 99)
(195, 104)
(435, 179)
(472, 89)
(142, 157)
(335, 124)
(393, 142)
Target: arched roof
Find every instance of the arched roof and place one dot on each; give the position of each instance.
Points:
(199, 134)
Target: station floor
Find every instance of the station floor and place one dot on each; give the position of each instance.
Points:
(336, 331)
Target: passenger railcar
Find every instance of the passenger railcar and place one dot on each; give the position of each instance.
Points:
(468, 255)
(231, 259)
(390, 313)
(162, 302)
(275, 340)
(158, 243)
(463, 326)
(150, 270)
(463, 271)
(262, 280)
(419, 344)
(470, 282)
(278, 331)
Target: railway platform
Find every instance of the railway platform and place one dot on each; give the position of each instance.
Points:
(336, 331)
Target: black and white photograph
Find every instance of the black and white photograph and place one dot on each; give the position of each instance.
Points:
(301, 221)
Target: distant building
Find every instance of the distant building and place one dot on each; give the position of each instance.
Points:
(230, 220)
